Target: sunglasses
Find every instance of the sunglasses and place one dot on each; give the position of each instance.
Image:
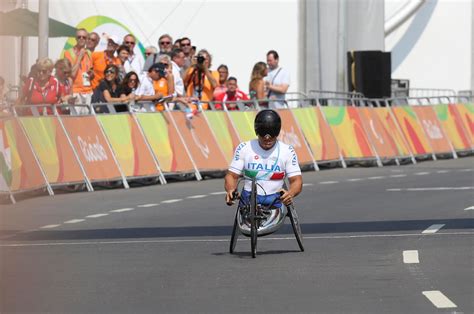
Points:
(184, 45)
(129, 42)
(165, 42)
(81, 37)
(91, 39)
(110, 72)
(148, 53)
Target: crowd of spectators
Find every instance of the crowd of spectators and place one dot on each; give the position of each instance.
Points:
(174, 71)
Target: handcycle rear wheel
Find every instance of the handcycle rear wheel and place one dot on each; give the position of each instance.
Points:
(253, 220)
(296, 226)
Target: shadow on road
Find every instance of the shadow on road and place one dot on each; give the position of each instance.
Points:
(210, 231)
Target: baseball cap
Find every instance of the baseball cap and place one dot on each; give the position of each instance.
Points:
(157, 67)
(113, 38)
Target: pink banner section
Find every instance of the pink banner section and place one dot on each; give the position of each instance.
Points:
(200, 141)
(92, 148)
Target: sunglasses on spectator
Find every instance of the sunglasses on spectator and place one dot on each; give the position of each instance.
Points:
(148, 53)
(165, 42)
(129, 42)
(92, 39)
(188, 44)
(81, 37)
(110, 72)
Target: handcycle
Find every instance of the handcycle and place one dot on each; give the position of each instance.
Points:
(254, 220)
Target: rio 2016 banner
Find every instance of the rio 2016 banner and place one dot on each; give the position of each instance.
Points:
(165, 143)
(348, 131)
(19, 170)
(433, 129)
(130, 148)
(451, 121)
(412, 130)
(91, 147)
(390, 127)
(466, 111)
(53, 150)
(317, 133)
(225, 133)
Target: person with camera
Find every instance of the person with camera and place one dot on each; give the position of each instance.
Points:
(146, 90)
(165, 84)
(199, 80)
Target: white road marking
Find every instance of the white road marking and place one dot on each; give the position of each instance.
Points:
(442, 171)
(328, 182)
(226, 239)
(355, 179)
(121, 210)
(411, 257)
(147, 205)
(465, 170)
(469, 208)
(439, 299)
(421, 173)
(218, 193)
(97, 215)
(49, 226)
(74, 221)
(375, 178)
(196, 196)
(308, 184)
(398, 175)
(461, 188)
(433, 228)
(172, 201)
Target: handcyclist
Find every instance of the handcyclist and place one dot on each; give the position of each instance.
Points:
(269, 161)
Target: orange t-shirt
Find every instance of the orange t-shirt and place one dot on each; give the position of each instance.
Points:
(161, 86)
(99, 63)
(207, 91)
(86, 64)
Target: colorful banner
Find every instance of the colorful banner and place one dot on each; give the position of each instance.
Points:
(19, 170)
(53, 150)
(451, 122)
(466, 111)
(291, 134)
(348, 131)
(91, 147)
(378, 135)
(129, 146)
(433, 129)
(165, 143)
(391, 128)
(412, 130)
(243, 122)
(318, 134)
(200, 141)
(225, 133)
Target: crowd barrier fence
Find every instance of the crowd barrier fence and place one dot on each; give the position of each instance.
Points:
(56, 149)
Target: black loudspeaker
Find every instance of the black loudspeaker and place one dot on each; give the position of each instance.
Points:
(370, 73)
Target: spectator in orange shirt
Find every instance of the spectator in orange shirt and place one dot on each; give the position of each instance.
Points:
(81, 61)
(92, 41)
(200, 81)
(165, 84)
(100, 59)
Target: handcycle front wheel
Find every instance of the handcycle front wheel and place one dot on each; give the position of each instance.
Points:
(296, 226)
(253, 219)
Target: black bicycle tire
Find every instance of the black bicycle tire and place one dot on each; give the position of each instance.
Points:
(235, 235)
(296, 228)
(253, 220)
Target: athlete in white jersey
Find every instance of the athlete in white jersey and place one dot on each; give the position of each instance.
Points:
(267, 159)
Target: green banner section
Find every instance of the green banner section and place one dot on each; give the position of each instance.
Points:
(309, 124)
(243, 121)
(220, 127)
(441, 111)
(334, 115)
(155, 128)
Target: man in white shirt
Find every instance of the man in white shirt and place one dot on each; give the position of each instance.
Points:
(177, 60)
(276, 82)
(134, 62)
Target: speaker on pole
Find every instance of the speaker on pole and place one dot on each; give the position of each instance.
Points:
(369, 73)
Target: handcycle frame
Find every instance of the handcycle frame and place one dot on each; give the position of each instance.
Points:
(255, 217)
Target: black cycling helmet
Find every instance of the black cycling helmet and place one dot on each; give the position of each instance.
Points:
(267, 121)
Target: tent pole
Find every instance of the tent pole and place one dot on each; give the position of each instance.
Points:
(43, 27)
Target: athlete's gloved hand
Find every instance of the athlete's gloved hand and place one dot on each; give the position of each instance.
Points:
(286, 197)
(230, 197)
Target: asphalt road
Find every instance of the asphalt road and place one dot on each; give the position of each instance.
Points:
(396, 239)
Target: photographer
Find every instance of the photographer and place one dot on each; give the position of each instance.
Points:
(165, 84)
(199, 80)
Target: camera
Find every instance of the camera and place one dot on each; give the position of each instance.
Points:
(161, 69)
(200, 59)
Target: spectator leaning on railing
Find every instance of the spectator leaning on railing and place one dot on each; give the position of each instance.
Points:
(109, 89)
(42, 88)
(146, 90)
(165, 84)
(63, 71)
(231, 94)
